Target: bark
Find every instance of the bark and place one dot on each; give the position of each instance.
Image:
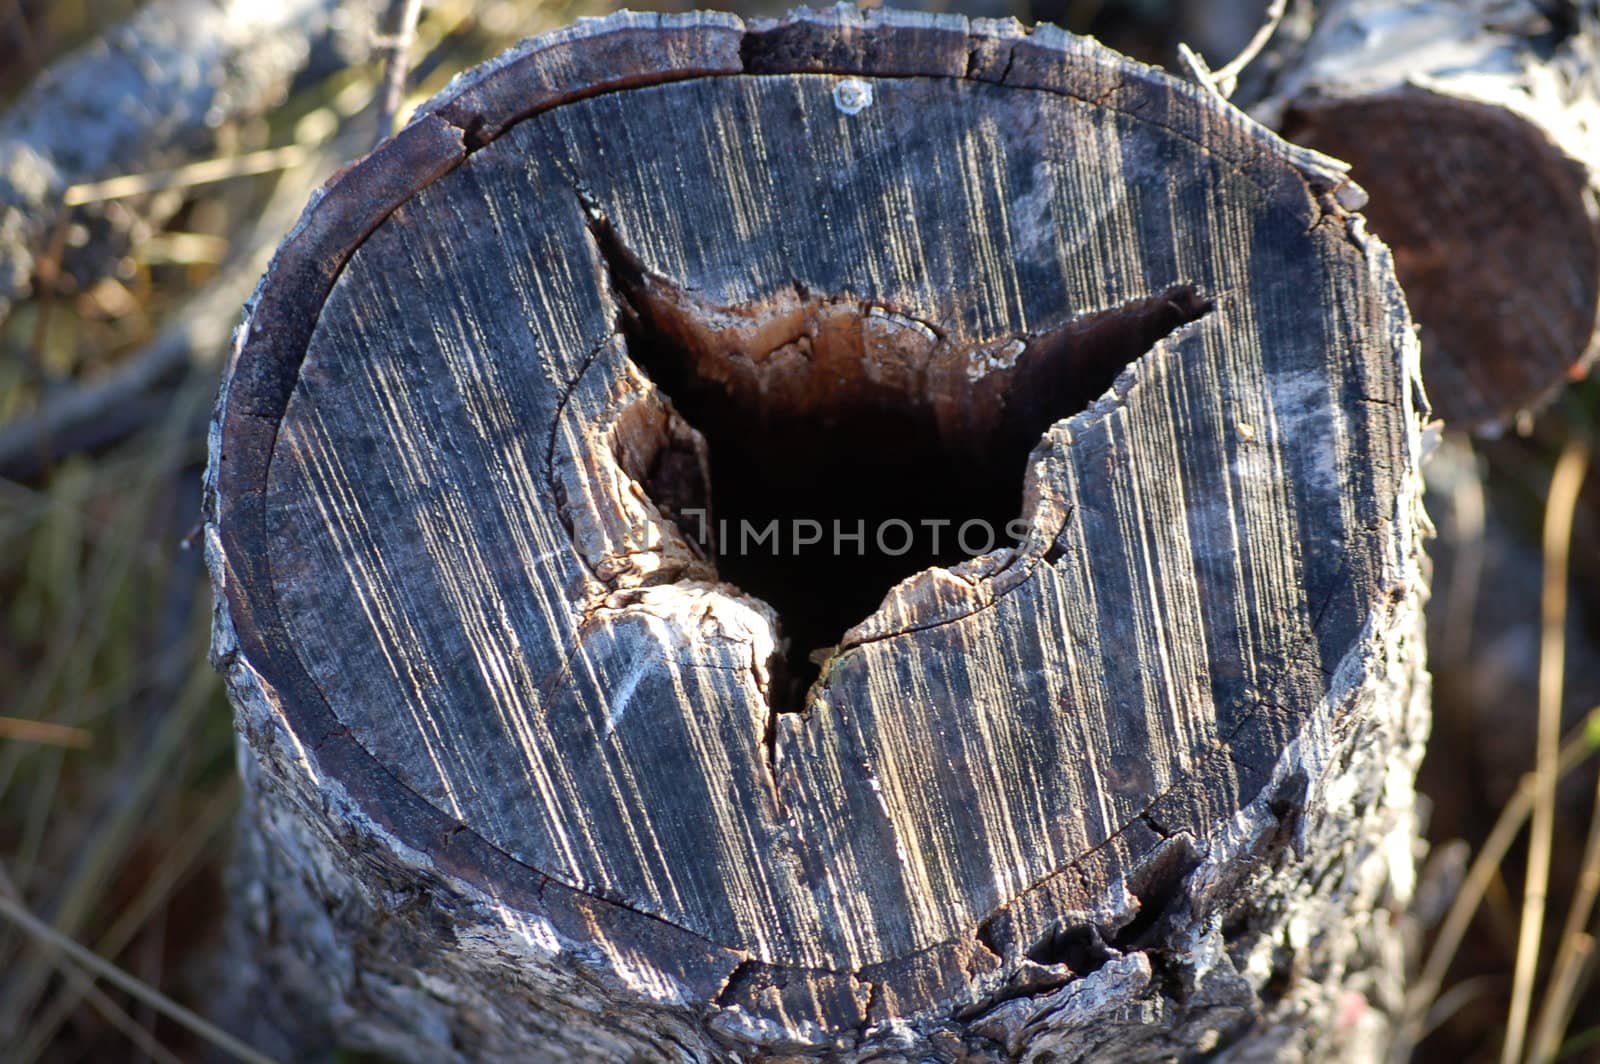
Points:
(536, 769)
(1473, 126)
(153, 92)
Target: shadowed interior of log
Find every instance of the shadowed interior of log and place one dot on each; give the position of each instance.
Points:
(898, 447)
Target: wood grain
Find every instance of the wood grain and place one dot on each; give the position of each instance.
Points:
(451, 599)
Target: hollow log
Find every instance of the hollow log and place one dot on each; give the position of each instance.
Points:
(1473, 125)
(854, 537)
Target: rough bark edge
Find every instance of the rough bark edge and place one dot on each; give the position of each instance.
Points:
(329, 232)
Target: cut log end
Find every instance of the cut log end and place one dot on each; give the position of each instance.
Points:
(1469, 125)
(847, 535)
(1494, 241)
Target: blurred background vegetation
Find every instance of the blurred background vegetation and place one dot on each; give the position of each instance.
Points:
(116, 756)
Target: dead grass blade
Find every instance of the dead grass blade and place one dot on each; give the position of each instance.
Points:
(54, 940)
(1580, 744)
(1560, 507)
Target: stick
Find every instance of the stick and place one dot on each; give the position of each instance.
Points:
(400, 30)
(127, 983)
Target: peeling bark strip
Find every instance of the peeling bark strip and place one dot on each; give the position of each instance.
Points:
(1474, 126)
(535, 769)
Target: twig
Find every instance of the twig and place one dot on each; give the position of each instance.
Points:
(201, 173)
(1574, 944)
(41, 731)
(1227, 76)
(104, 969)
(1581, 743)
(400, 31)
(1198, 69)
(1224, 80)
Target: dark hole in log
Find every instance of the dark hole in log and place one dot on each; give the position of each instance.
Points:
(1081, 948)
(889, 446)
(1158, 885)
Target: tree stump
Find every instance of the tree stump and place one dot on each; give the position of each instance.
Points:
(1473, 123)
(603, 691)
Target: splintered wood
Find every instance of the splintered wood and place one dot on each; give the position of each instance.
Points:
(536, 766)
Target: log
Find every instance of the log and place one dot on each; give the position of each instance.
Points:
(1472, 126)
(153, 91)
(565, 739)
(131, 395)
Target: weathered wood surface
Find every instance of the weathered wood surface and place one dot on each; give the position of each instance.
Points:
(1475, 127)
(527, 775)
